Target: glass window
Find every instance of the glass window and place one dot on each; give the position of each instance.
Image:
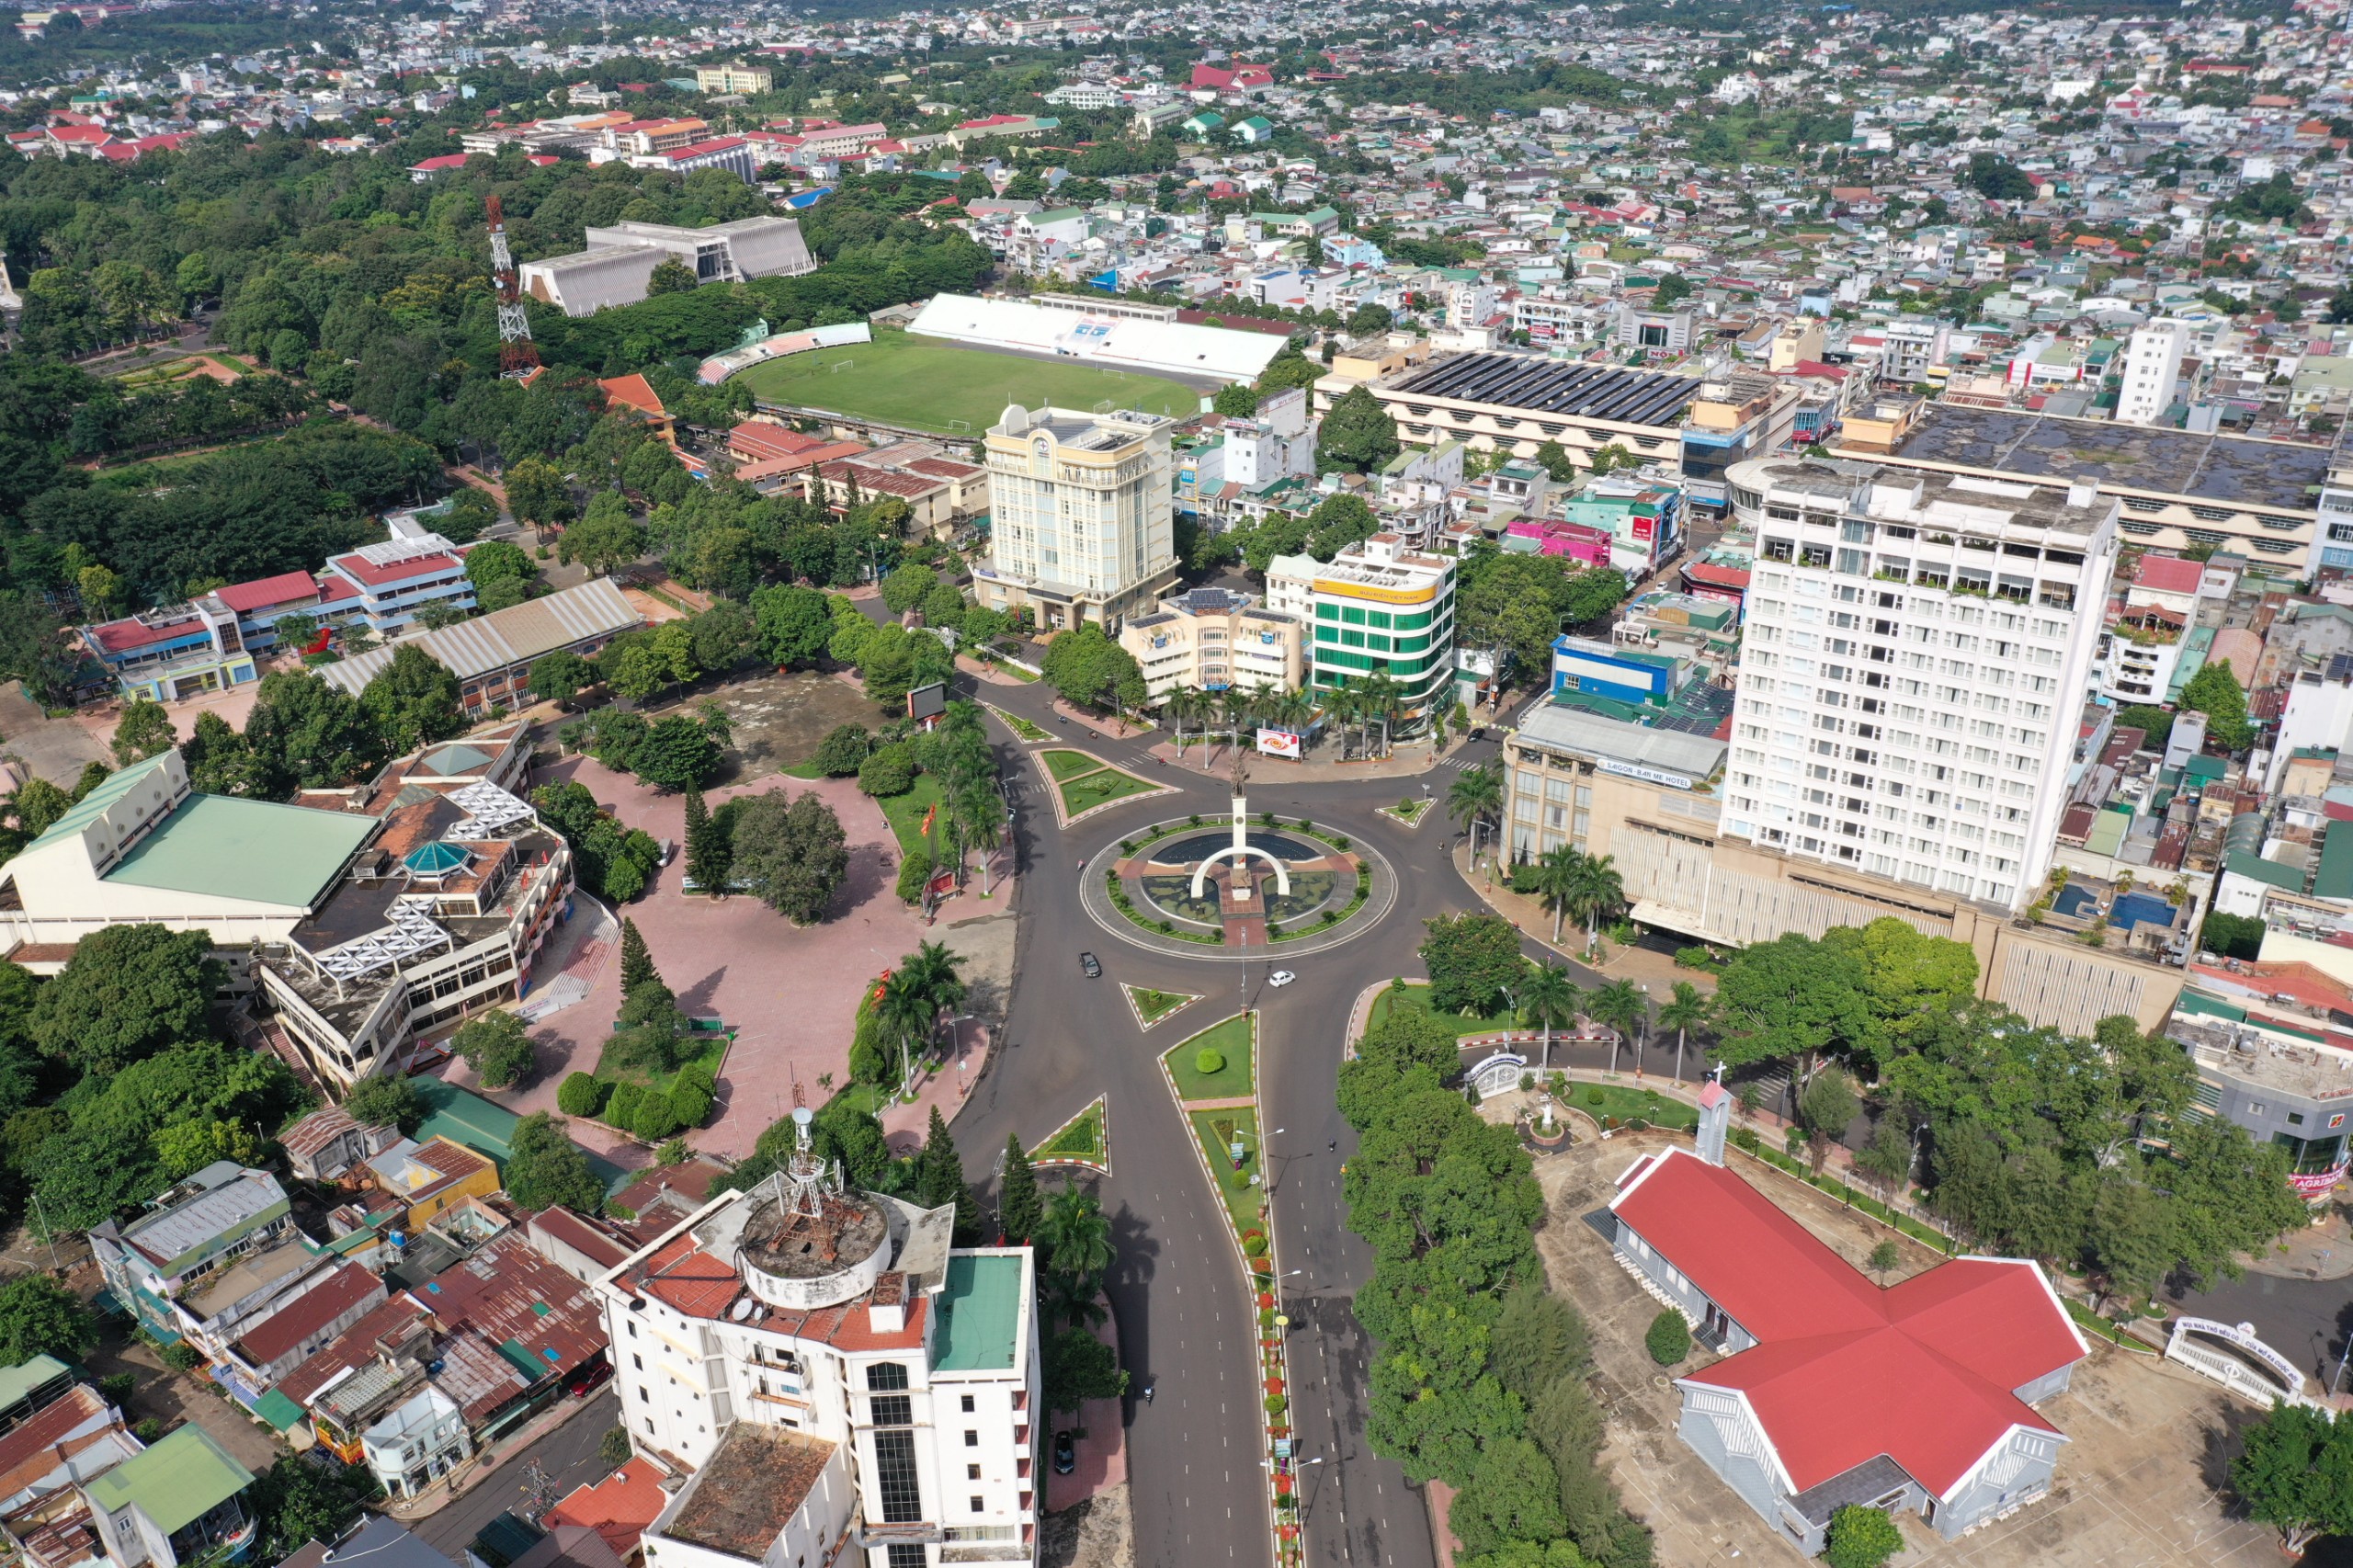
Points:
(1377, 618)
(895, 1410)
(884, 1376)
(896, 1481)
(1352, 614)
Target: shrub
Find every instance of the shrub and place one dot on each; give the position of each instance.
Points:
(891, 770)
(915, 874)
(1668, 1339)
(1194, 821)
(1253, 1244)
(1746, 1137)
(1277, 1404)
(1266, 1317)
(620, 1106)
(654, 1119)
(692, 1094)
(1208, 1060)
(1694, 957)
(582, 1093)
(1593, 1094)
(843, 749)
(1342, 842)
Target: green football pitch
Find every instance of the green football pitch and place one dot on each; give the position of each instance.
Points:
(938, 386)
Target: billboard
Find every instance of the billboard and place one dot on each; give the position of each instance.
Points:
(1280, 742)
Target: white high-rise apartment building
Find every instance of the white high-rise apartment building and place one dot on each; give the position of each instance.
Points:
(2152, 370)
(829, 1369)
(1082, 509)
(1914, 662)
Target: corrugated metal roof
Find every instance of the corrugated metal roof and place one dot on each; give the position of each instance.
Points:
(516, 635)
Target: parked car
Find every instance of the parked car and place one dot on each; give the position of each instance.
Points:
(1281, 977)
(1066, 1454)
(586, 1381)
(1094, 970)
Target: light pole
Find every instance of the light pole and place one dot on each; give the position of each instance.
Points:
(1643, 1039)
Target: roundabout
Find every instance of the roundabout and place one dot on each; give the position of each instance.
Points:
(1192, 888)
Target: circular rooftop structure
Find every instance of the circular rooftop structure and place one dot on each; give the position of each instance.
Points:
(804, 1261)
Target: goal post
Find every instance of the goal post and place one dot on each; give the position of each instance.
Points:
(838, 365)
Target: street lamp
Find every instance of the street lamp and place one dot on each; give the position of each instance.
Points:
(1643, 1039)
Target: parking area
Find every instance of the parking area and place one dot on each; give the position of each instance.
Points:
(2137, 1482)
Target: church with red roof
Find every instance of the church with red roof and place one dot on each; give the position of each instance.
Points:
(1828, 1389)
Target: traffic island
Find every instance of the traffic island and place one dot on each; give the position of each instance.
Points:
(1084, 1140)
(1083, 783)
(1175, 888)
(1154, 1007)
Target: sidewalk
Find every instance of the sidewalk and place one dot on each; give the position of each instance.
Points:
(1100, 1450)
(1640, 964)
(905, 1125)
(1411, 759)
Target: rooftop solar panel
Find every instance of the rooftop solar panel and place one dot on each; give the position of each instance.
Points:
(1552, 386)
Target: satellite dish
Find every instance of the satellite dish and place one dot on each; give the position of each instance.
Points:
(802, 1116)
(743, 1310)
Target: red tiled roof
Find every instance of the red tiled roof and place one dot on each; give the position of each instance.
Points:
(123, 636)
(1846, 1371)
(619, 1507)
(2169, 574)
(701, 149)
(635, 392)
(435, 166)
(756, 438)
(287, 587)
(288, 1327)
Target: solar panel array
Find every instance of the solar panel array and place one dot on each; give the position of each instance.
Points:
(1556, 386)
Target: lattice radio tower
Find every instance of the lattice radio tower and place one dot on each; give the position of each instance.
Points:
(517, 355)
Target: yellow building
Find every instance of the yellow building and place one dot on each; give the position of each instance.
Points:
(1081, 525)
(734, 78)
(429, 1179)
(1209, 639)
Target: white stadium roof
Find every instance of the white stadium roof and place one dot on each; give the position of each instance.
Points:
(1117, 342)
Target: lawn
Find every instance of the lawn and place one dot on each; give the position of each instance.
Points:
(1623, 1103)
(1080, 1137)
(1068, 765)
(1417, 997)
(1216, 1128)
(1232, 1038)
(1092, 790)
(905, 815)
(712, 1054)
(1020, 726)
(940, 386)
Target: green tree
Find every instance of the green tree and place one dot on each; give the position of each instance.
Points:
(1370, 317)
(1236, 400)
(536, 492)
(1088, 667)
(637, 960)
(1080, 1366)
(888, 770)
(145, 731)
(127, 993)
(940, 1181)
(38, 804)
(561, 676)
(296, 1502)
(671, 276)
(1860, 1537)
(679, 753)
(1338, 522)
(1515, 1494)
(39, 1317)
(413, 700)
(1473, 962)
(602, 543)
(494, 561)
(2156, 724)
(2215, 692)
(613, 1448)
(709, 849)
(1074, 1239)
(793, 624)
(1357, 434)
(1019, 1210)
(905, 586)
(307, 735)
(2294, 1472)
(544, 1168)
(498, 1047)
(1790, 1000)
(1668, 1338)
(1538, 1337)
(1824, 1109)
(1555, 460)
(791, 854)
(843, 751)
(387, 1101)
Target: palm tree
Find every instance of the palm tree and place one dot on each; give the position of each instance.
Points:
(1073, 1241)
(927, 983)
(1383, 699)
(1186, 702)
(1557, 877)
(1341, 706)
(1619, 1005)
(1547, 999)
(1595, 891)
(1685, 1012)
(979, 814)
(1476, 794)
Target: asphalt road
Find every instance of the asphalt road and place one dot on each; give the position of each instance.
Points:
(568, 1454)
(1183, 1306)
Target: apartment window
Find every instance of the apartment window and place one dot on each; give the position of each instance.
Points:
(977, 1508)
(906, 1555)
(972, 1438)
(896, 1481)
(885, 1376)
(967, 1404)
(894, 1410)
(971, 1472)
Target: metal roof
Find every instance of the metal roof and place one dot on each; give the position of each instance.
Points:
(255, 851)
(176, 1483)
(504, 638)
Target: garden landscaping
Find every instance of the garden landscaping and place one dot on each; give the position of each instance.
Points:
(1151, 1006)
(1217, 1063)
(1084, 1140)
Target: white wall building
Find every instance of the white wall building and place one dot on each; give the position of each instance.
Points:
(2152, 370)
(827, 1362)
(1914, 665)
(1082, 515)
(1277, 442)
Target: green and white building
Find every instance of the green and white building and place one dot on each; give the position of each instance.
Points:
(1377, 608)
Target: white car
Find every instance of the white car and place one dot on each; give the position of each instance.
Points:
(1281, 977)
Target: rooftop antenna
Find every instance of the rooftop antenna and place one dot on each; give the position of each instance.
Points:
(804, 1172)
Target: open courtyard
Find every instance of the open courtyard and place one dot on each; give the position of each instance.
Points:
(930, 385)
